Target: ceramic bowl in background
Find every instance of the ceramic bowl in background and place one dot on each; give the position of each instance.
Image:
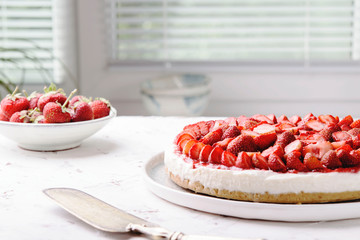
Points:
(176, 95)
(52, 137)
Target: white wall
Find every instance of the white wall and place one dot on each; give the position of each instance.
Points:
(233, 92)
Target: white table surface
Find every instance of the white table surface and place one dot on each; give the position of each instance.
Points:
(109, 165)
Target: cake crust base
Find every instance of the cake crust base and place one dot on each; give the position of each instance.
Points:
(291, 198)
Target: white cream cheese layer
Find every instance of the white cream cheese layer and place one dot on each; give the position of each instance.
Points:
(261, 181)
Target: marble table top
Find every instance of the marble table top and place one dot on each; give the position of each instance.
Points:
(109, 165)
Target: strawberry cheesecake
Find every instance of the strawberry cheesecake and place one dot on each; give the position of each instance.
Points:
(313, 159)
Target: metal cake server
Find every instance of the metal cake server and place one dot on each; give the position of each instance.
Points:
(110, 219)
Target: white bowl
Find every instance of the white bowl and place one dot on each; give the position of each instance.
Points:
(52, 137)
(177, 95)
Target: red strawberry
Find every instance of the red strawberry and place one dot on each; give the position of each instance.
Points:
(183, 142)
(315, 125)
(293, 161)
(78, 98)
(263, 141)
(355, 124)
(33, 99)
(205, 153)
(347, 156)
(13, 103)
(249, 133)
(244, 161)
(354, 132)
(356, 142)
(331, 160)
(348, 120)
(212, 137)
(240, 120)
(231, 121)
(327, 119)
(282, 118)
(231, 132)
(355, 157)
(312, 163)
(276, 164)
(241, 143)
(276, 149)
(285, 138)
(249, 124)
(293, 146)
(259, 161)
(342, 136)
(194, 152)
(21, 117)
(52, 94)
(187, 146)
(181, 136)
(318, 149)
(81, 112)
(3, 117)
(215, 155)
(345, 128)
(262, 118)
(101, 107)
(308, 117)
(194, 129)
(264, 129)
(223, 144)
(204, 128)
(285, 126)
(272, 117)
(295, 119)
(228, 159)
(55, 113)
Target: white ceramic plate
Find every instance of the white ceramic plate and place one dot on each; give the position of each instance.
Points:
(52, 137)
(160, 184)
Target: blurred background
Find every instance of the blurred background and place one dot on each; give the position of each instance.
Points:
(258, 56)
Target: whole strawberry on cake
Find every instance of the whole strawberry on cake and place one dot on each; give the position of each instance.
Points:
(313, 159)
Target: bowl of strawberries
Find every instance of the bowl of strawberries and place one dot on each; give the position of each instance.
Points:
(51, 120)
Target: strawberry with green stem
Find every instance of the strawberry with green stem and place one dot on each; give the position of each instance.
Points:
(52, 94)
(13, 103)
(100, 107)
(54, 112)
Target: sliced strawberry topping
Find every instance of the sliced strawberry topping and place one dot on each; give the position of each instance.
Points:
(249, 124)
(315, 125)
(244, 161)
(262, 118)
(355, 124)
(293, 161)
(341, 136)
(228, 159)
(272, 117)
(348, 120)
(231, 121)
(276, 149)
(282, 118)
(212, 137)
(276, 164)
(318, 149)
(215, 155)
(328, 119)
(194, 129)
(285, 138)
(224, 143)
(312, 163)
(231, 132)
(259, 161)
(242, 143)
(295, 119)
(183, 135)
(263, 141)
(264, 129)
(293, 146)
(205, 153)
(188, 145)
(331, 160)
(194, 152)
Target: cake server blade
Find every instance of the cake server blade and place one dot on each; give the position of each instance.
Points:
(108, 218)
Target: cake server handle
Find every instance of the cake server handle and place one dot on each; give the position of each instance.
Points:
(162, 233)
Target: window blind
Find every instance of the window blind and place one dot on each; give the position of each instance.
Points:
(26, 40)
(299, 31)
